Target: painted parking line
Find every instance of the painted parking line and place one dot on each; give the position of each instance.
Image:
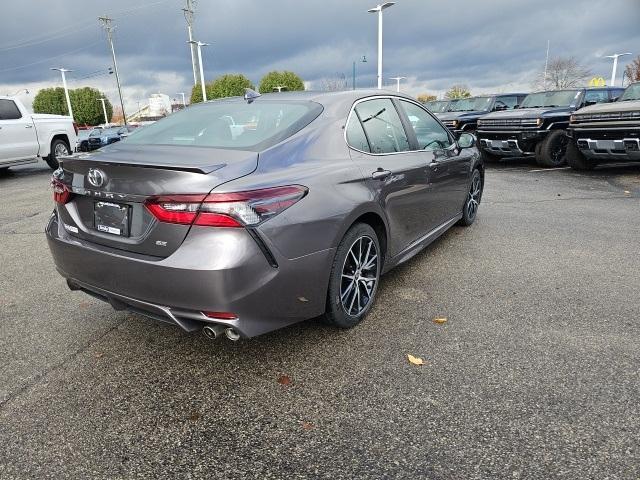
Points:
(549, 169)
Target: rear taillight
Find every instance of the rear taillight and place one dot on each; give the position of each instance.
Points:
(61, 193)
(225, 209)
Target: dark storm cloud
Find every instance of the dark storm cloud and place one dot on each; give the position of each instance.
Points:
(488, 44)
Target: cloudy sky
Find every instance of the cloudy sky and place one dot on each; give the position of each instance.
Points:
(489, 45)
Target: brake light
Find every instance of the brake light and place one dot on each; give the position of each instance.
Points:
(225, 209)
(221, 315)
(61, 193)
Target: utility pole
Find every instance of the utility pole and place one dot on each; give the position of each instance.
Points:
(66, 90)
(104, 110)
(189, 14)
(353, 82)
(546, 65)
(108, 26)
(202, 85)
(184, 104)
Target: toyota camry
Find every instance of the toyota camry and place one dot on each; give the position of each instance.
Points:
(243, 215)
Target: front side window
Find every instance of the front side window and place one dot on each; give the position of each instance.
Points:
(355, 134)
(430, 134)
(509, 102)
(383, 126)
(9, 110)
(596, 96)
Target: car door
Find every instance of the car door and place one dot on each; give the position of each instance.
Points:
(449, 166)
(18, 138)
(397, 176)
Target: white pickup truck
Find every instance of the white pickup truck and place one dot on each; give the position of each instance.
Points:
(25, 137)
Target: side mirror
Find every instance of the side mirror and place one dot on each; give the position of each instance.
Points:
(466, 140)
(586, 104)
(516, 106)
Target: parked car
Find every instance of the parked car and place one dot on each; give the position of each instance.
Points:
(82, 142)
(437, 106)
(102, 138)
(463, 115)
(25, 137)
(608, 132)
(450, 105)
(292, 219)
(538, 126)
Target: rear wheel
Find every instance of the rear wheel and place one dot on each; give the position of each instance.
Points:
(354, 277)
(59, 148)
(552, 151)
(577, 160)
(471, 204)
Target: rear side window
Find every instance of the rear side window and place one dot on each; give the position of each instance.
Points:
(383, 126)
(9, 110)
(230, 124)
(430, 134)
(355, 135)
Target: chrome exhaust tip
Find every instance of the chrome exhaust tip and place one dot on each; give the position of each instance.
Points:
(212, 331)
(232, 334)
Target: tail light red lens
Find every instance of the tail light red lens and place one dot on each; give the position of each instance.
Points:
(225, 209)
(221, 315)
(61, 193)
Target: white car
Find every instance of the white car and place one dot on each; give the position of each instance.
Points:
(25, 137)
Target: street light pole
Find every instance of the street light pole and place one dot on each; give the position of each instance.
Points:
(378, 9)
(184, 104)
(104, 110)
(200, 45)
(397, 79)
(106, 23)
(615, 57)
(364, 60)
(66, 90)
(188, 15)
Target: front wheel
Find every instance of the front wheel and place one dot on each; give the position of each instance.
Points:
(552, 151)
(471, 204)
(354, 277)
(59, 148)
(577, 160)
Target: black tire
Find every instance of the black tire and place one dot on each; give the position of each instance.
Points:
(472, 202)
(552, 151)
(488, 157)
(58, 148)
(341, 310)
(4, 170)
(577, 160)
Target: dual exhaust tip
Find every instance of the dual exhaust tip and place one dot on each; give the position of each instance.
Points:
(214, 331)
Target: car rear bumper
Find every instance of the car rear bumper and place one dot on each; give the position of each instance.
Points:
(214, 270)
(510, 143)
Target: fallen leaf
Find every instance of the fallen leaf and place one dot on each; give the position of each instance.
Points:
(98, 354)
(308, 425)
(415, 360)
(627, 192)
(284, 380)
(84, 304)
(440, 320)
(194, 417)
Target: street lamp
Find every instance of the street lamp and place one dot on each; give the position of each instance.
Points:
(364, 60)
(200, 45)
(183, 102)
(378, 9)
(104, 110)
(615, 57)
(20, 91)
(66, 90)
(397, 79)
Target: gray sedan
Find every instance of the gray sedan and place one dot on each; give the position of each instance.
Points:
(290, 210)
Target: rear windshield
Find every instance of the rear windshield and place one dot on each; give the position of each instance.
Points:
(556, 98)
(230, 124)
(631, 93)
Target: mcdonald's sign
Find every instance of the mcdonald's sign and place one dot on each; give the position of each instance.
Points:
(597, 82)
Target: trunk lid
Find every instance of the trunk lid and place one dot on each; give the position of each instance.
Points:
(107, 206)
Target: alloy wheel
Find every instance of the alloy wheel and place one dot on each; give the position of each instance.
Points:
(558, 149)
(359, 276)
(473, 199)
(61, 150)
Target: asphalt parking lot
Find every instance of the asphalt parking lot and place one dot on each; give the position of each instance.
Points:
(535, 374)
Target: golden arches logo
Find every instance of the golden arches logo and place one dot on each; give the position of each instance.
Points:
(597, 82)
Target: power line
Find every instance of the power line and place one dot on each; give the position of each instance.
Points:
(85, 47)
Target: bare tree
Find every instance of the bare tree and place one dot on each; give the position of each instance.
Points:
(562, 72)
(458, 91)
(334, 84)
(633, 70)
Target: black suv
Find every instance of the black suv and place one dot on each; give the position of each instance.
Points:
(463, 115)
(606, 132)
(538, 126)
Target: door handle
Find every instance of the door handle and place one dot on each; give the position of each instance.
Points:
(381, 174)
(28, 126)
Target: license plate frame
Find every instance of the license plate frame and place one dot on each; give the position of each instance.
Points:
(111, 218)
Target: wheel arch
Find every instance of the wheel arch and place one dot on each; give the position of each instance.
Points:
(375, 219)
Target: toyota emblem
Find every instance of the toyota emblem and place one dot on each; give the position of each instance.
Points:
(96, 177)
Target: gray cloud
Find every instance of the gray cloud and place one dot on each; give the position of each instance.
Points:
(488, 45)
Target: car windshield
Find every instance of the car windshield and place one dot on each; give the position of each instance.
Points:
(437, 106)
(631, 93)
(555, 98)
(231, 124)
(471, 104)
